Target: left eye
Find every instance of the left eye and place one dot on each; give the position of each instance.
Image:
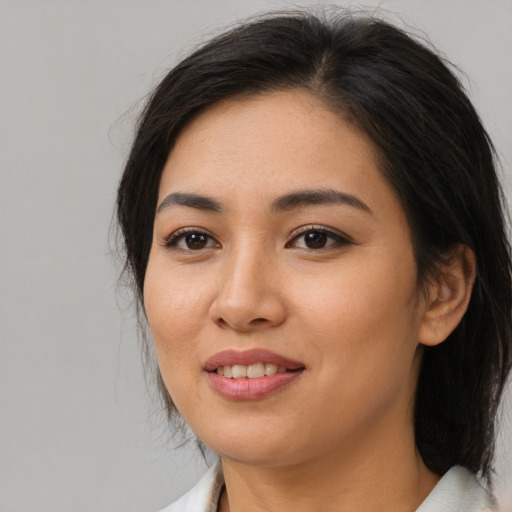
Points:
(191, 241)
(317, 239)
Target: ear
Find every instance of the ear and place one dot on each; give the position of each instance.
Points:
(448, 296)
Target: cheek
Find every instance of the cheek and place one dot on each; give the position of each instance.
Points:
(363, 316)
(364, 329)
(175, 308)
(369, 291)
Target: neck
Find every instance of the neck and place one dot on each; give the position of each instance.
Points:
(378, 474)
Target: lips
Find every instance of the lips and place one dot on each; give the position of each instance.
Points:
(248, 387)
(248, 357)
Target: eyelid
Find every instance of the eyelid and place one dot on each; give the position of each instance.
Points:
(340, 237)
(176, 236)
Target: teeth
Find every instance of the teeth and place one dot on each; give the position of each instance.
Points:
(270, 369)
(251, 371)
(239, 371)
(255, 370)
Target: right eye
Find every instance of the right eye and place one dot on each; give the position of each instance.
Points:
(191, 240)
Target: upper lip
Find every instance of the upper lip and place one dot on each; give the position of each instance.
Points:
(247, 357)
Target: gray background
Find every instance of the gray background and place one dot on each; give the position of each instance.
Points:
(78, 430)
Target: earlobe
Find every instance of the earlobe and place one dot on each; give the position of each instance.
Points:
(448, 296)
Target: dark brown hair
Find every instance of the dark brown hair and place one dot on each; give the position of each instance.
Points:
(433, 150)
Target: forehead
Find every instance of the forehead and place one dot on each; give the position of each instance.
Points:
(268, 144)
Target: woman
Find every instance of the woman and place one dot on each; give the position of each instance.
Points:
(314, 225)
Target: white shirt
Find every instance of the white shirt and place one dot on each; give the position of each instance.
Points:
(457, 491)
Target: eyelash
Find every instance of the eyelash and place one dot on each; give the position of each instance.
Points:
(179, 235)
(339, 240)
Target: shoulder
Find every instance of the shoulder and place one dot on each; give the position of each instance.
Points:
(458, 491)
(203, 497)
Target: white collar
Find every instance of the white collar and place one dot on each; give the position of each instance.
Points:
(204, 496)
(457, 491)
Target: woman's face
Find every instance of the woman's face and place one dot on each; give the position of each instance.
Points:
(278, 243)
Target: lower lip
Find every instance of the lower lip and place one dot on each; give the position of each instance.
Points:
(250, 389)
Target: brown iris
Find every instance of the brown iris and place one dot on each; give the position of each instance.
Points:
(315, 240)
(196, 241)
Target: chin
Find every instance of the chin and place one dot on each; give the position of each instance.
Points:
(254, 447)
(254, 456)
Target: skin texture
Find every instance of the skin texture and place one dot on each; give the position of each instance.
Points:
(340, 435)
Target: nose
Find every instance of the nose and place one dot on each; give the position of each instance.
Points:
(248, 295)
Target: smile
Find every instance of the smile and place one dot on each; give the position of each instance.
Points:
(251, 374)
(252, 371)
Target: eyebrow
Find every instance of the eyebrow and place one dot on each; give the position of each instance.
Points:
(291, 201)
(301, 198)
(192, 201)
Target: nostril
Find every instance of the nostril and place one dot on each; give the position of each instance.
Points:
(221, 322)
(240, 325)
